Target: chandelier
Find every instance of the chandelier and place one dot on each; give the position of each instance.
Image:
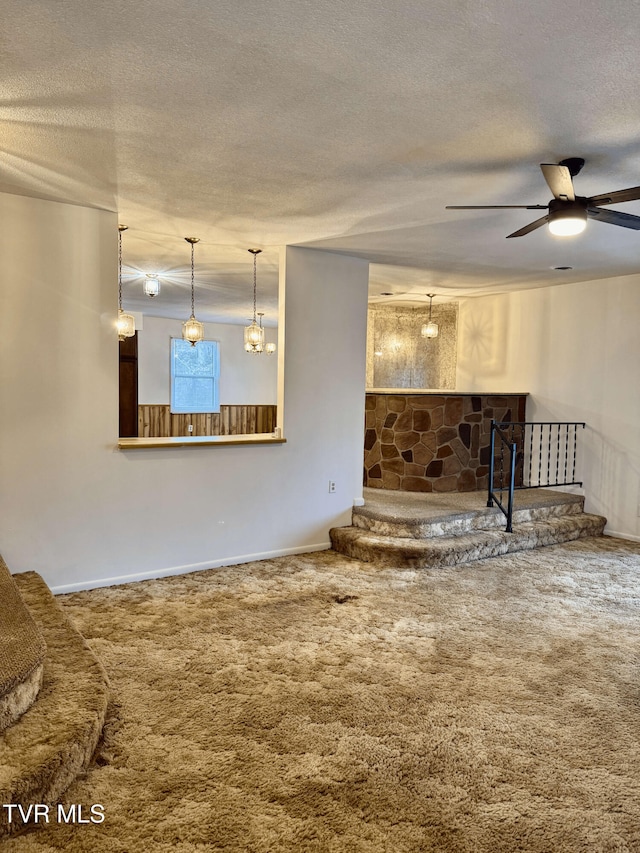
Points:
(125, 324)
(269, 348)
(430, 329)
(254, 333)
(151, 285)
(192, 329)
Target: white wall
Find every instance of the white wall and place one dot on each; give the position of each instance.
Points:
(576, 349)
(79, 511)
(245, 378)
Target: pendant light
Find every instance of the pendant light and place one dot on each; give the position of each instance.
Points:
(125, 324)
(192, 329)
(260, 346)
(254, 333)
(396, 343)
(269, 348)
(151, 285)
(430, 329)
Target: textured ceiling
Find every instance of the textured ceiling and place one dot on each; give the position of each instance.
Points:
(343, 126)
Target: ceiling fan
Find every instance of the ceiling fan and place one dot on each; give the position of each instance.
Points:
(568, 212)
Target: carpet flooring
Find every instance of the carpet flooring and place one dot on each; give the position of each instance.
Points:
(315, 703)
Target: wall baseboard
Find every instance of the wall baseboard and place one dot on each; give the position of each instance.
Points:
(227, 561)
(629, 536)
(184, 570)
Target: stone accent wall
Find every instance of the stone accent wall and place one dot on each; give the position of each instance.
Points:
(433, 442)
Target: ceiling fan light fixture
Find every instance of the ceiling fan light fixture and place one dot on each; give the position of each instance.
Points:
(568, 212)
(567, 223)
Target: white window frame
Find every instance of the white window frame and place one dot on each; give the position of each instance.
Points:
(215, 397)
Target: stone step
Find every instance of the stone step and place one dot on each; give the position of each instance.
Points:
(466, 546)
(22, 652)
(387, 517)
(53, 741)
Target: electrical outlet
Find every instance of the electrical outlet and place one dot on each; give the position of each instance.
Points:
(190, 428)
(332, 487)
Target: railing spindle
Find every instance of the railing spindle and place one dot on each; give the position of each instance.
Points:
(491, 464)
(512, 482)
(540, 458)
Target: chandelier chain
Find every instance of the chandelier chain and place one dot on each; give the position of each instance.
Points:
(430, 306)
(255, 258)
(121, 228)
(120, 270)
(192, 285)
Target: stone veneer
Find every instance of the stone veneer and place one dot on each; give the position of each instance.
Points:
(430, 442)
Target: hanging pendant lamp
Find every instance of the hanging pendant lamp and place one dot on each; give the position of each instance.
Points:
(151, 285)
(254, 333)
(260, 346)
(430, 329)
(125, 324)
(192, 329)
(269, 348)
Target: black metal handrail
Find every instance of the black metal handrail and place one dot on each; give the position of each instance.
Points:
(512, 449)
(530, 455)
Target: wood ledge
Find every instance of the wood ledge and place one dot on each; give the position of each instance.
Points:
(196, 441)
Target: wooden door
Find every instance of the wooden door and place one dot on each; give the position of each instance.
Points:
(129, 387)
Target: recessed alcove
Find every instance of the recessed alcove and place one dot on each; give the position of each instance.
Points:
(399, 356)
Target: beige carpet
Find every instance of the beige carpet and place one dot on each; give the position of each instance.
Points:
(314, 703)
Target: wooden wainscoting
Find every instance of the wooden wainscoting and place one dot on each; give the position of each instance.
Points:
(158, 422)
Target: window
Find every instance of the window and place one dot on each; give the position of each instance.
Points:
(195, 372)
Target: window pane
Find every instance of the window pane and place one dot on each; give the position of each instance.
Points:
(193, 361)
(194, 376)
(193, 395)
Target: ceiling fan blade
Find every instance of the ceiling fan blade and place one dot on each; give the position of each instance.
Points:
(496, 207)
(530, 227)
(559, 180)
(617, 197)
(614, 217)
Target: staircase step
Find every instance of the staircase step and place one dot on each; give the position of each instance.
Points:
(418, 517)
(52, 742)
(22, 652)
(464, 547)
